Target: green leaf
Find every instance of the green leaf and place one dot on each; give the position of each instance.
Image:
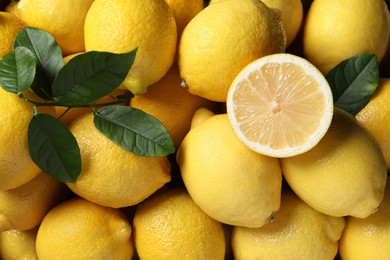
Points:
(134, 130)
(54, 148)
(48, 55)
(17, 70)
(354, 81)
(90, 76)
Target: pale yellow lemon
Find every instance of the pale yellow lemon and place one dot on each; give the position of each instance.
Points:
(124, 25)
(223, 38)
(344, 174)
(79, 229)
(336, 30)
(170, 225)
(230, 182)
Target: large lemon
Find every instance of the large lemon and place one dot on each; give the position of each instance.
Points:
(344, 174)
(222, 39)
(123, 25)
(230, 182)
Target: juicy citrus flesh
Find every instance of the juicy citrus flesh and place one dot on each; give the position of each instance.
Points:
(280, 105)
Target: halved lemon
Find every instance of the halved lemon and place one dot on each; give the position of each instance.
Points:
(280, 105)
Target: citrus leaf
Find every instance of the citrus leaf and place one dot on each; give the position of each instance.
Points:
(134, 130)
(90, 76)
(48, 55)
(54, 148)
(354, 81)
(17, 70)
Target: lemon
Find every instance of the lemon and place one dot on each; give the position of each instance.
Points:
(292, 16)
(24, 207)
(12, 7)
(228, 181)
(80, 229)
(344, 174)
(10, 25)
(171, 104)
(63, 19)
(280, 105)
(297, 232)
(368, 238)
(170, 225)
(183, 11)
(16, 165)
(123, 25)
(336, 30)
(223, 38)
(18, 244)
(111, 176)
(375, 117)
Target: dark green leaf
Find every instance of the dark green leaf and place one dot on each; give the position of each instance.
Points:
(17, 70)
(354, 81)
(90, 76)
(48, 55)
(134, 130)
(54, 148)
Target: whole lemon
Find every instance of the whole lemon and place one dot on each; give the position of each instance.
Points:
(63, 19)
(170, 225)
(344, 174)
(18, 244)
(16, 165)
(10, 25)
(222, 39)
(110, 175)
(368, 238)
(227, 180)
(24, 207)
(297, 232)
(123, 25)
(79, 229)
(375, 117)
(171, 104)
(336, 30)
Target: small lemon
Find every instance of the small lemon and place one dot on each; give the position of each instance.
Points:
(10, 25)
(210, 55)
(79, 229)
(24, 207)
(170, 225)
(18, 244)
(110, 175)
(297, 232)
(375, 117)
(171, 104)
(123, 25)
(63, 19)
(368, 238)
(336, 30)
(16, 165)
(200, 115)
(230, 182)
(344, 174)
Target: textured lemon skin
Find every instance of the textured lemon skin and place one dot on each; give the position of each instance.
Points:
(229, 182)
(171, 226)
(18, 244)
(80, 229)
(297, 232)
(210, 56)
(10, 25)
(375, 117)
(336, 30)
(344, 174)
(111, 176)
(64, 20)
(121, 26)
(368, 238)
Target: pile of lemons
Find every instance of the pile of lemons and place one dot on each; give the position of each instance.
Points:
(266, 167)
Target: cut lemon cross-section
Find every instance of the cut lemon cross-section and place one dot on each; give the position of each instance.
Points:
(280, 105)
